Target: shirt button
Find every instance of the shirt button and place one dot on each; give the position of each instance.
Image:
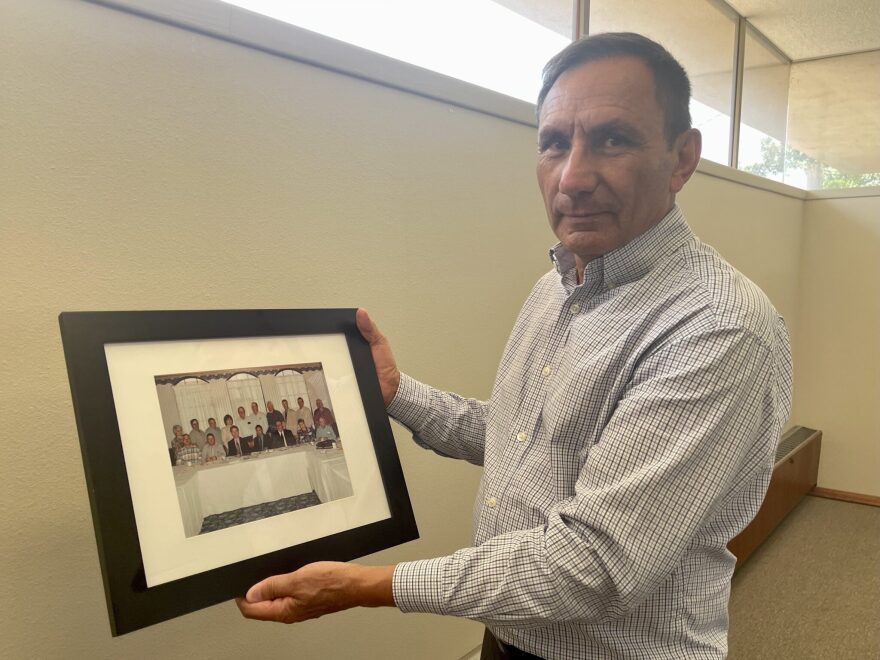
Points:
(491, 502)
(521, 437)
(546, 371)
(574, 309)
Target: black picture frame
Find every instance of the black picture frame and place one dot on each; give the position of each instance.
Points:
(131, 603)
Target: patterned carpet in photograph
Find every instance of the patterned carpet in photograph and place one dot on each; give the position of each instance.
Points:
(226, 519)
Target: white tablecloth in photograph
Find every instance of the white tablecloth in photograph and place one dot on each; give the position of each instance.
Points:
(204, 490)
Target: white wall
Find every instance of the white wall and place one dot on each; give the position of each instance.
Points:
(838, 380)
(137, 156)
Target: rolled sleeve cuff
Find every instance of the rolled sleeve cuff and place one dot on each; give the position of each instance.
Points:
(417, 585)
(410, 402)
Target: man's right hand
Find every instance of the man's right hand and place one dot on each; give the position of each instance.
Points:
(386, 367)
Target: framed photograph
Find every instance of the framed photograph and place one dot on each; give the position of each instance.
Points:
(221, 447)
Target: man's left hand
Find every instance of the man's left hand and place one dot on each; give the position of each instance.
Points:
(317, 589)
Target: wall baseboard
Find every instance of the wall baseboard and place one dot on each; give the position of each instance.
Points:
(846, 496)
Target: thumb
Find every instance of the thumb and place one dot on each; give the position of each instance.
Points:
(367, 328)
(269, 589)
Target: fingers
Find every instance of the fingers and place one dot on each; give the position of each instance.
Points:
(266, 610)
(268, 589)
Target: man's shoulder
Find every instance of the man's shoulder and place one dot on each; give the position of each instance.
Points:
(724, 297)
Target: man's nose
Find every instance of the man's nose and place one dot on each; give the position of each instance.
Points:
(579, 173)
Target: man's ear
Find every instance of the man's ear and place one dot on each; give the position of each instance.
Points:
(686, 152)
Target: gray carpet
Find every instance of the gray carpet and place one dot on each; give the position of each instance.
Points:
(257, 512)
(812, 590)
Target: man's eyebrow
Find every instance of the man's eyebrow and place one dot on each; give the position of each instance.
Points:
(616, 126)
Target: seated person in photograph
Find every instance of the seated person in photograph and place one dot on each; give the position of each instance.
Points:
(262, 438)
(324, 433)
(322, 411)
(188, 452)
(213, 450)
(301, 413)
(213, 428)
(233, 447)
(196, 434)
(244, 423)
(256, 418)
(272, 415)
(303, 433)
(281, 436)
(226, 431)
(253, 444)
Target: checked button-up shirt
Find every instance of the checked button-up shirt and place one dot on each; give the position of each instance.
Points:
(629, 436)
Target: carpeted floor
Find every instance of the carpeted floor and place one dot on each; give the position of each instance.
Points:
(239, 516)
(812, 590)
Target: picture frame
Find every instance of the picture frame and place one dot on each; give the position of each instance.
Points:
(154, 565)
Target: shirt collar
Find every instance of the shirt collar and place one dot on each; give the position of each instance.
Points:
(631, 261)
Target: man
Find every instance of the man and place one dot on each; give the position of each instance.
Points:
(243, 422)
(233, 447)
(213, 428)
(254, 443)
(261, 438)
(212, 451)
(256, 418)
(188, 452)
(281, 436)
(322, 411)
(196, 434)
(632, 426)
(176, 437)
(272, 415)
(301, 413)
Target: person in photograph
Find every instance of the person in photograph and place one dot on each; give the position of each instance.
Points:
(213, 450)
(213, 428)
(226, 431)
(300, 413)
(632, 427)
(303, 433)
(272, 415)
(323, 411)
(324, 433)
(254, 443)
(176, 437)
(281, 436)
(262, 438)
(285, 408)
(233, 447)
(256, 418)
(188, 452)
(196, 434)
(243, 423)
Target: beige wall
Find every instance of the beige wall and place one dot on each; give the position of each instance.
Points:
(137, 158)
(838, 380)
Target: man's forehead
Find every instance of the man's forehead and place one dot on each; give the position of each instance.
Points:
(608, 86)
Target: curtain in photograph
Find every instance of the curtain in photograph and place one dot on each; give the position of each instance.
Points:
(169, 410)
(291, 385)
(317, 387)
(198, 399)
(270, 392)
(243, 389)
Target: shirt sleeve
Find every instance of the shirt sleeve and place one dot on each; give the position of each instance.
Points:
(698, 424)
(444, 422)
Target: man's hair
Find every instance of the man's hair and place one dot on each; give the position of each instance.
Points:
(671, 83)
(192, 420)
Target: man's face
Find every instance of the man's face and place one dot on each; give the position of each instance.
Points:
(284, 404)
(178, 431)
(319, 403)
(259, 430)
(211, 439)
(241, 412)
(302, 425)
(255, 407)
(186, 439)
(235, 432)
(604, 167)
(270, 406)
(279, 426)
(300, 402)
(212, 423)
(195, 425)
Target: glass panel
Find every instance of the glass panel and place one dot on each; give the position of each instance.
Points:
(834, 123)
(706, 54)
(764, 109)
(502, 46)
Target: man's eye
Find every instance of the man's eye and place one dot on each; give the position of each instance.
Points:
(615, 141)
(552, 146)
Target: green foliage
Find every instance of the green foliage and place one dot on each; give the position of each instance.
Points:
(776, 161)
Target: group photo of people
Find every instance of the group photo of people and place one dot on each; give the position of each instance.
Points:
(250, 443)
(214, 415)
